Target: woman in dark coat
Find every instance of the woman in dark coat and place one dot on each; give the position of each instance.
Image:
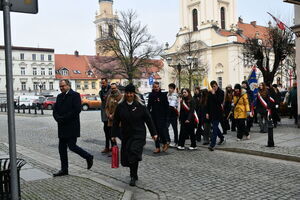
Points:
(203, 121)
(187, 119)
(263, 105)
(132, 115)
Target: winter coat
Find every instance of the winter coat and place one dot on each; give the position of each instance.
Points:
(241, 106)
(133, 131)
(260, 108)
(215, 105)
(187, 114)
(104, 92)
(66, 112)
(111, 105)
(293, 97)
(158, 105)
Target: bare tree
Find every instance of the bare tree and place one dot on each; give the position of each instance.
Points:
(269, 52)
(189, 62)
(130, 46)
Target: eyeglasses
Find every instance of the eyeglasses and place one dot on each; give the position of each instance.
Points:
(62, 86)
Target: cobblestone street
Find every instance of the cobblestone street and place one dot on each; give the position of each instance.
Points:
(175, 175)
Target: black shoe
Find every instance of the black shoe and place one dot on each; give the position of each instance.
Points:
(132, 181)
(211, 148)
(60, 173)
(222, 141)
(90, 162)
(205, 143)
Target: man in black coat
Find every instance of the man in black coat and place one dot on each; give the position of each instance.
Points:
(66, 113)
(158, 106)
(215, 113)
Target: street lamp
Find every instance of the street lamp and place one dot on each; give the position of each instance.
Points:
(176, 66)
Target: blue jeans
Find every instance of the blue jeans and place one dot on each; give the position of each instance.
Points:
(216, 132)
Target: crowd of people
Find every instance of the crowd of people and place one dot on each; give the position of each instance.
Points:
(203, 117)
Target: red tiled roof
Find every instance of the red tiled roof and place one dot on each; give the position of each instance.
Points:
(247, 31)
(101, 64)
(74, 64)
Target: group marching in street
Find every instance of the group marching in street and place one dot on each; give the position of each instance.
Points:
(204, 117)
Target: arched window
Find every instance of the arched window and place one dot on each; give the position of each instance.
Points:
(223, 18)
(110, 30)
(195, 20)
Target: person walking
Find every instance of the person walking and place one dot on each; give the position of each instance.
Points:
(132, 115)
(158, 106)
(111, 104)
(215, 113)
(293, 102)
(228, 108)
(249, 120)
(203, 121)
(197, 98)
(104, 92)
(66, 112)
(241, 111)
(188, 120)
(262, 107)
(173, 114)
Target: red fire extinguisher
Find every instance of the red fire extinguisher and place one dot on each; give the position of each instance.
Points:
(115, 156)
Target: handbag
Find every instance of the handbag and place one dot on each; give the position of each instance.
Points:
(115, 156)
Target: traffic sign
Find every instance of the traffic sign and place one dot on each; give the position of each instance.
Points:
(23, 6)
(151, 80)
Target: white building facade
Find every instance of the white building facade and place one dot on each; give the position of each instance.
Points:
(33, 71)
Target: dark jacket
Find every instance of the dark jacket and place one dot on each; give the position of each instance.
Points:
(259, 106)
(66, 112)
(104, 92)
(158, 105)
(187, 114)
(215, 105)
(133, 131)
(293, 97)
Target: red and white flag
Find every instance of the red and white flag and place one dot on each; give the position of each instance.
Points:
(279, 23)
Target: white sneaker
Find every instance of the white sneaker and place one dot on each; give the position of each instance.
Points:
(248, 137)
(180, 148)
(192, 148)
(174, 145)
(238, 139)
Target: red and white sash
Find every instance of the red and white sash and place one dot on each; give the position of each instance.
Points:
(185, 107)
(264, 103)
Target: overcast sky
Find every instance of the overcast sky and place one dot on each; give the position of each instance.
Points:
(67, 25)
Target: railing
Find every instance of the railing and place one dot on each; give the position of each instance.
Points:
(33, 109)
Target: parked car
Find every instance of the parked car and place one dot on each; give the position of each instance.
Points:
(90, 102)
(49, 103)
(39, 102)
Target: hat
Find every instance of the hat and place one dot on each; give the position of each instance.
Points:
(130, 88)
(238, 86)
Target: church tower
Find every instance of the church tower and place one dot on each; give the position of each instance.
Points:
(200, 14)
(105, 25)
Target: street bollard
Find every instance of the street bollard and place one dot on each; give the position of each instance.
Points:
(270, 134)
(23, 109)
(29, 112)
(35, 110)
(18, 108)
(42, 110)
(1, 107)
(4, 107)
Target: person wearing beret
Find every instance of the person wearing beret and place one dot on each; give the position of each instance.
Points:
(132, 114)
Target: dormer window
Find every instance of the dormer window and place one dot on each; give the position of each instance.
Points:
(64, 72)
(223, 22)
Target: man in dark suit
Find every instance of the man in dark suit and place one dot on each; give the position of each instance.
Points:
(158, 106)
(66, 113)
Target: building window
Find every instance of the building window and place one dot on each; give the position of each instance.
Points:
(34, 71)
(50, 71)
(33, 56)
(35, 85)
(220, 82)
(223, 24)
(86, 85)
(110, 30)
(42, 71)
(42, 57)
(23, 85)
(93, 85)
(78, 86)
(22, 70)
(49, 57)
(195, 20)
(50, 85)
(64, 72)
(22, 56)
(44, 85)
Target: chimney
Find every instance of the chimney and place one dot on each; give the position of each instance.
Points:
(241, 20)
(76, 53)
(253, 23)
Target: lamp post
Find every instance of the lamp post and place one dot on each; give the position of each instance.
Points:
(177, 67)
